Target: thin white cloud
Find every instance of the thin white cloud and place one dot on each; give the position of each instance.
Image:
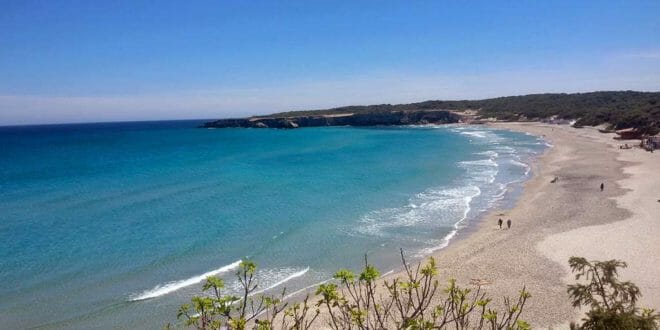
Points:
(382, 88)
(642, 55)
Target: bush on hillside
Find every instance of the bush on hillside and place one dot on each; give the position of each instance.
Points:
(619, 109)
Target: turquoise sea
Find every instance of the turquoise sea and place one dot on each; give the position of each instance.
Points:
(116, 225)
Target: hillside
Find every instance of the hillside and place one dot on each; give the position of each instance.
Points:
(620, 109)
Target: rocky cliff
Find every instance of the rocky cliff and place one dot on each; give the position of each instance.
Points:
(344, 119)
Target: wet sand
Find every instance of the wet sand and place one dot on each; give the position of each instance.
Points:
(572, 217)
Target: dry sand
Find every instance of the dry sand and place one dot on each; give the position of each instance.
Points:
(636, 239)
(572, 217)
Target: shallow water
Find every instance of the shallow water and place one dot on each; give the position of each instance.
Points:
(118, 224)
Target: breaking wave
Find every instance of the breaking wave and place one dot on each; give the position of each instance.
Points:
(440, 211)
(161, 290)
(447, 209)
(280, 277)
(425, 209)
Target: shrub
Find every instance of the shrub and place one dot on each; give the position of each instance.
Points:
(612, 303)
(355, 301)
(414, 301)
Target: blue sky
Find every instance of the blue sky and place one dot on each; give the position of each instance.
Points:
(76, 61)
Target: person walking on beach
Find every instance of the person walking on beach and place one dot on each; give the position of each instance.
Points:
(499, 222)
(602, 186)
(508, 224)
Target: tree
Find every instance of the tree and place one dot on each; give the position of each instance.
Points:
(612, 303)
(618, 109)
(217, 310)
(409, 302)
(355, 301)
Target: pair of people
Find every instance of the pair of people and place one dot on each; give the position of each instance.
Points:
(508, 223)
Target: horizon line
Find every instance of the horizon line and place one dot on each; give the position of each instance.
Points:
(316, 109)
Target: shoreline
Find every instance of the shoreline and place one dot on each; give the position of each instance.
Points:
(552, 221)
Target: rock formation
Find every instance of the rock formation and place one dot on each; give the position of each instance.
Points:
(415, 117)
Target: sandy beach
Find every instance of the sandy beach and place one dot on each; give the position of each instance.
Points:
(572, 217)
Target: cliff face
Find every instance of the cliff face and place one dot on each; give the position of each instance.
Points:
(348, 119)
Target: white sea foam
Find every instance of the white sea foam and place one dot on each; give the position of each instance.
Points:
(453, 206)
(480, 162)
(284, 280)
(306, 288)
(478, 134)
(502, 190)
(292, 294)
(521, 164)
(483, 173)
(482, 170)
(170, 287)
(506, 150)
(429, 208)
(489, 153)
(298, 292)
(482, 136)
(439, 206)
(387, 273)
(434, 126)
(457, 225)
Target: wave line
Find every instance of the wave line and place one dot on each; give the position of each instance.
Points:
(170, 287)
(288, 278)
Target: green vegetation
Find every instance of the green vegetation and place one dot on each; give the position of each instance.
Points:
(414, 301)
(611, 302)
(352, 301)
(623, 109)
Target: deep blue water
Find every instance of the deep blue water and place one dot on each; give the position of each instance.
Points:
(105, 225)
